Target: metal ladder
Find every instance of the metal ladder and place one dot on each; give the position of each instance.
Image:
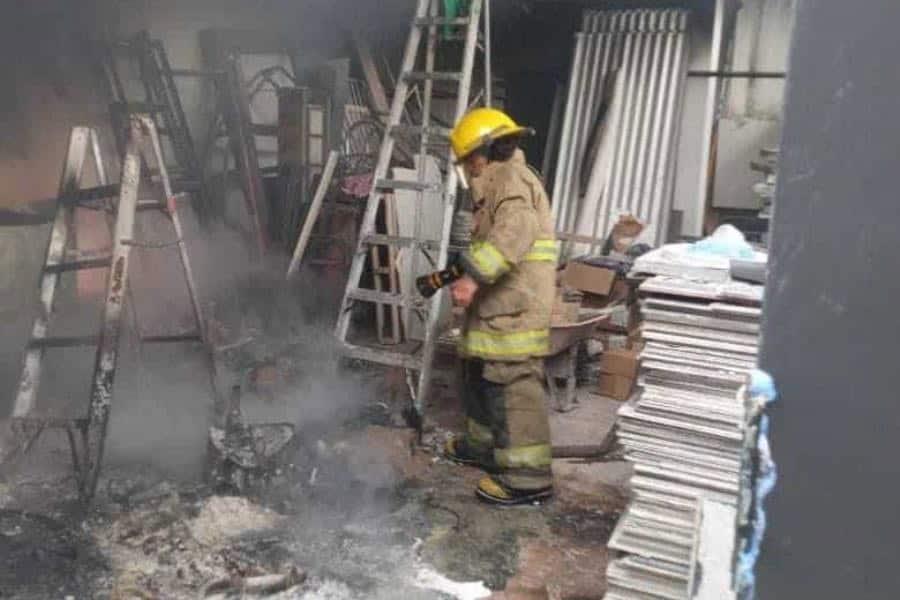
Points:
(161, 100)
(430, 139)
(142, 146)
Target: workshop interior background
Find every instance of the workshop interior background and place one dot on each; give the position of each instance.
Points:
(358, 505)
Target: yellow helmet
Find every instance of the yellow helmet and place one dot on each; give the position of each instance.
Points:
(480, 127)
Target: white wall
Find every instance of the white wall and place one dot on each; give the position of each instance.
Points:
(691, 138)
(750, 109)
(751, 117)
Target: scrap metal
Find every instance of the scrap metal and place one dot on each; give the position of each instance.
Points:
(626, 86)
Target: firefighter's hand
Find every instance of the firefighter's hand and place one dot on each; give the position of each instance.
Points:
(463, 291)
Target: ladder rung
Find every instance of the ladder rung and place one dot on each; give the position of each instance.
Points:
(196, 73)
(415, 130)
(72, 341)
(79, 261)
(93, 193)
(442, 22)
(150, 205)
(186, 185)
(433, 76)
(389, 185)
(133, 108)
(384, 298)
(51, 421)
(397, 359)
(179, 337)
(378, 239)
(262, 130)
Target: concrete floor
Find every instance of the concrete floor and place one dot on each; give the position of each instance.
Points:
(382, 512)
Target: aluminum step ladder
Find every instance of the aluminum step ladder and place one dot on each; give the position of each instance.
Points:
(87, 435)
(430, 140)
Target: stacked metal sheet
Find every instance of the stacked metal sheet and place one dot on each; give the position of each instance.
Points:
(686, 435)
(620, 124)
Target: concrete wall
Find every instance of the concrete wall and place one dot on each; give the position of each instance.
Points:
(750, 110)
(831, 327)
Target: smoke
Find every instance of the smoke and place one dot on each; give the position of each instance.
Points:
(284, 360)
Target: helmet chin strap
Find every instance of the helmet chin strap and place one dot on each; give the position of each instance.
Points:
(462, 175)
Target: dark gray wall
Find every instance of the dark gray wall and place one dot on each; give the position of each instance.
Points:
(832, 328)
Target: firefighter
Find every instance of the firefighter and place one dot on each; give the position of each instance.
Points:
(507, 291)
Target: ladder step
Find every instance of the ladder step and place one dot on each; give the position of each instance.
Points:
(79, 261)
(389, 185)
(72, 341)
(137, 108)
(414, 76)
(377, 239)
(382, 357)
(174, 338)
(93, 193)
(443, 133)
(261, 130)
(150, 205)
(52, 422)
(442, 22)
(377, 297)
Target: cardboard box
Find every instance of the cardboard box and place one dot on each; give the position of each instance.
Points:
(564, 311)
(616, 387)
(588, 278)
(622, 362)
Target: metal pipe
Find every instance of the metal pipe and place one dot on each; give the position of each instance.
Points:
(488, 82)
(614, 189)
(552, 134)
(572, 167)
(599, 186)
(660, 201)
(589, 160)
(599, 173)
(670, 177)
(653, 99)
(558, 199)
(656, 138)
(570, 189)
(738, 74)
(642, 64)
(584, 120)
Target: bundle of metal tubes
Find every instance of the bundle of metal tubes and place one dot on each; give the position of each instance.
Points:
(620, 125)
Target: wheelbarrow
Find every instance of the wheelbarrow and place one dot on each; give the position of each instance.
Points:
(559, 365)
